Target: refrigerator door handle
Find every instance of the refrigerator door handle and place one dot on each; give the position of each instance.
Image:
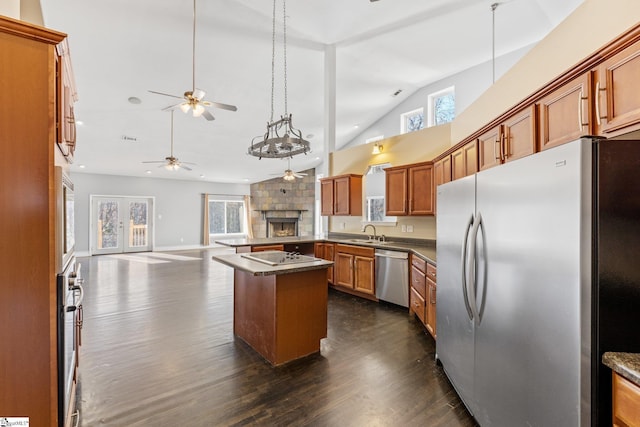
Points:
(483, 278)
(473, 269)
(465, 244)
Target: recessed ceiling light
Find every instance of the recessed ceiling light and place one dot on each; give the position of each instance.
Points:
(135, 100)
(317, 158)
(356, 126)
(201, 176)
(81, 166)
(79, 122)
(246, 180)
(147, 171)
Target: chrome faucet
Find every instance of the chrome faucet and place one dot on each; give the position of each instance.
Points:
(375, 236)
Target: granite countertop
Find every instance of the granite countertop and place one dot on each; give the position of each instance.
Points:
(260, 269)
(625, 364)
(425, 249)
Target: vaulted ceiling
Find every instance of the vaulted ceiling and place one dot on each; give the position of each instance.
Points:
(122, 49)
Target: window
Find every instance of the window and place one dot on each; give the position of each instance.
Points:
(412, 121)
(442, 106)
(226, 217)
(375, 208)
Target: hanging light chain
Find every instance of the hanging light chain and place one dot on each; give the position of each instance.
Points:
(273, 57)
(284, 45)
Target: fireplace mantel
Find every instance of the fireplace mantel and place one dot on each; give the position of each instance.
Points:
(264, 211)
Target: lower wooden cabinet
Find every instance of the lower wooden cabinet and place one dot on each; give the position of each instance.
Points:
(626, 402)
(326, 251)
(354, 268)
(422, 298)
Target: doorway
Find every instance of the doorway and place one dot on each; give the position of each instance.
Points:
(121, 224)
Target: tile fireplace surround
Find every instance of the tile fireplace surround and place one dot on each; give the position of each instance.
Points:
(276, 198)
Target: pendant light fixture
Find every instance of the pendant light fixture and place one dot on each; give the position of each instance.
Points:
(281, 139)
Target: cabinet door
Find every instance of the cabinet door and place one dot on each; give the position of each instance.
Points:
(65, 99)
(326, 197)
(343, 270)
(396, 191)
(347, 195)
(364, 275)
(520, 135)
(465, 161)
(421, 190)
(442, 171)
(565, 112)
(489, 149)
(617, 101)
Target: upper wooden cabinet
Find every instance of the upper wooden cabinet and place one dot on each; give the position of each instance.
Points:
(409, 190)
(442, 171)
(341, 195)
(464, 161)
(565, 113)
(617, 100)
(396, 192)
(66, 96)
(511, 140)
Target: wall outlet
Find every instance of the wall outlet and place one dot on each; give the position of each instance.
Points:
(403, 228)
(409, 228)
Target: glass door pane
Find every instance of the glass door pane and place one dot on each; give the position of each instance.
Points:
(137, 227)
(108, 227)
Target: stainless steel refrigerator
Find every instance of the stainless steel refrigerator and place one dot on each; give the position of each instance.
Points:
(538, 276)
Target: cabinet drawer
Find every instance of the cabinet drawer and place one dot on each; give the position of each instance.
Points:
(419, 263)
(626, 401)
(418, 281)
(355, 250)
(431, 272)
(417, 305)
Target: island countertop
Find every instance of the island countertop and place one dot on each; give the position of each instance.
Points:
(625, 364)
(260, 269)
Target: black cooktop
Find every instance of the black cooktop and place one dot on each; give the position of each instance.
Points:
(278, 257)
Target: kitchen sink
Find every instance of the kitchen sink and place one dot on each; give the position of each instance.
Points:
(367, 241)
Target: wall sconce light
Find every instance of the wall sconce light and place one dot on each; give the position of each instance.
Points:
(377, 148)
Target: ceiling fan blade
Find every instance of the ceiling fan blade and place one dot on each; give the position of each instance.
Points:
(155, 161)
(223, 106)
(198, 94)
(207, 115)
(188, 163)
(299, 175)
(181, 165)
(166, 94)
(172, 107)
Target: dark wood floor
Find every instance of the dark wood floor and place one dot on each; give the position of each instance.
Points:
(158, 349)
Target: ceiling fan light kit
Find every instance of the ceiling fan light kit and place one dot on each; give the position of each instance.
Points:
(281, 139)
(193, 99)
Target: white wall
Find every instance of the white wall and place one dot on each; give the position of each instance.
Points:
(178, 205)
(469, 85)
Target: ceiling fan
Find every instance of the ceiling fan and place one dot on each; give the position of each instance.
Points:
(290, 175)
(172, 163)
(193, 99)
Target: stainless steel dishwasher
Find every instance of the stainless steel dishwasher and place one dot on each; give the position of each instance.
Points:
(392, 276)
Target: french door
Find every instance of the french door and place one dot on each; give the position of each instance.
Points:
(121, 224)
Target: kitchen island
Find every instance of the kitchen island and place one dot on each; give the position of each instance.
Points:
(279, 303)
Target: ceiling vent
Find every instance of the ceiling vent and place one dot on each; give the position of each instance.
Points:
(129, 138)
(399, 91)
